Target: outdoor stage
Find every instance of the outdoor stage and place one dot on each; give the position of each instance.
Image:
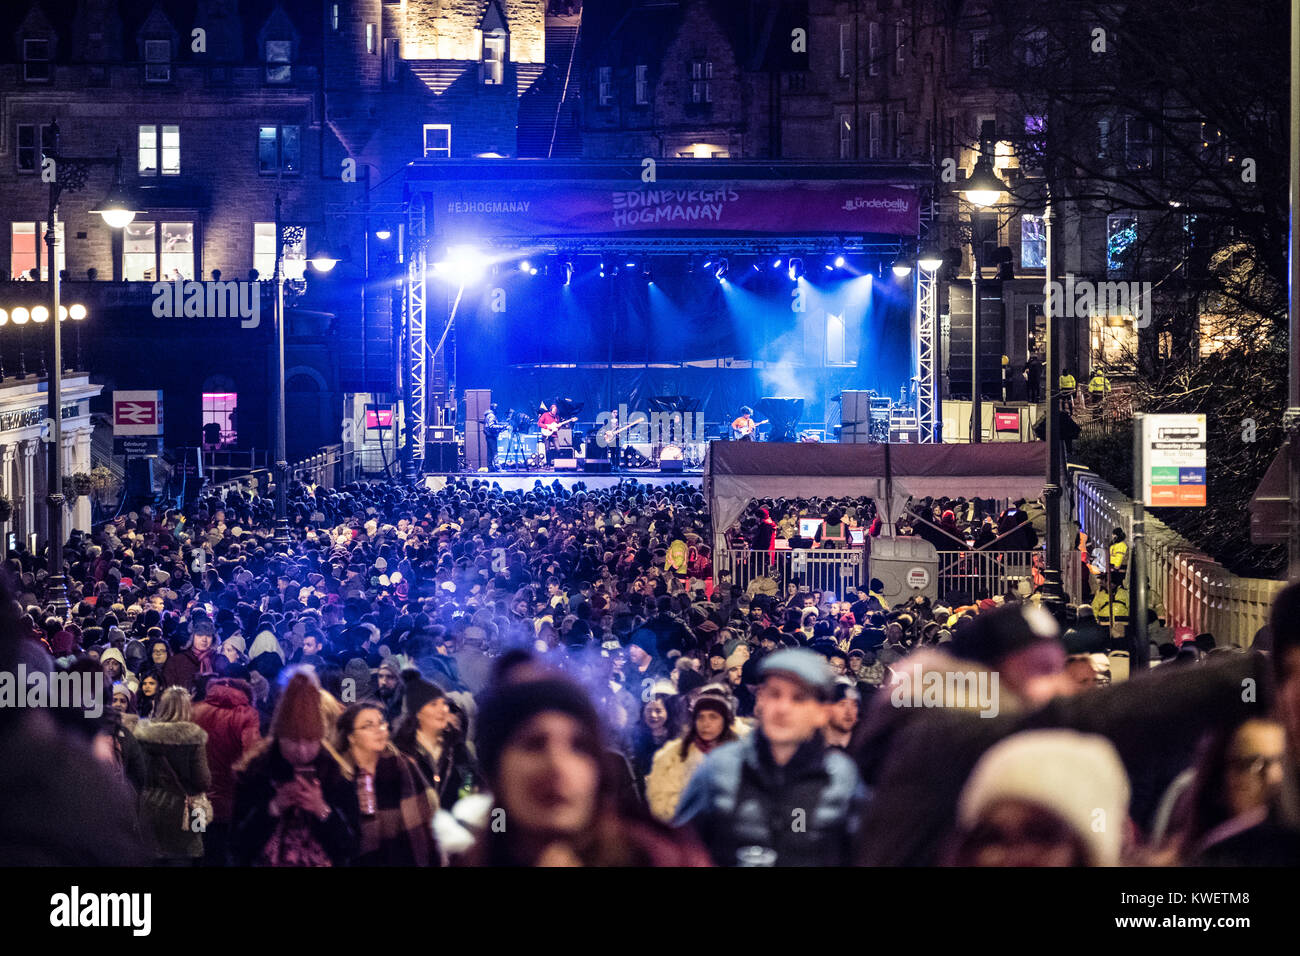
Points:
(527, 480)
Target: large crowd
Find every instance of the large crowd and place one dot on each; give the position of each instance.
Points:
(453, 674)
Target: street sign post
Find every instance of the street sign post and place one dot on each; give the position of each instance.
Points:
(1173, 472)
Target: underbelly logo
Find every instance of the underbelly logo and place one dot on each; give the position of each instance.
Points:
(189, 299)
(75, 909)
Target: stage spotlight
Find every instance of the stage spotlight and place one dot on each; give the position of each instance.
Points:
(901, 267)
(720, 269)
(568, 272)
(796, 268)
(525, 266)
(533, 271)
(383, 234)
(602, 268)
(839, 262)
(464, 263)
(929, 258)
(776, 263)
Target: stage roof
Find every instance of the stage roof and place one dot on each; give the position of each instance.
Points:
(569, 203)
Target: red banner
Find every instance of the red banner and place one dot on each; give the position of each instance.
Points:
(465, 211)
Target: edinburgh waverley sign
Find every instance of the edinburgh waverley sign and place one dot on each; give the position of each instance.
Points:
(476, 209)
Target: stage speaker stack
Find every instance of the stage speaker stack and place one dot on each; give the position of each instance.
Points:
(440, 456)
(477, 403)
(671, 465)
(855, 417)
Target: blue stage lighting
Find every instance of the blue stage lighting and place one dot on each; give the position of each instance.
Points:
(525, 266)
(839, 262)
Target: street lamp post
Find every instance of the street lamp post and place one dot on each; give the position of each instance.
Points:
(322, 261)
(69, 174)
(1053, 592)
(982, 189)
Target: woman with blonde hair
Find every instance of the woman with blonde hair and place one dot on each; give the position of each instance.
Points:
(174, 810)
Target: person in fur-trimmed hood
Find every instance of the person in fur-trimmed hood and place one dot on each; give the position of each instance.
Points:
(712, 714)
(175, 750)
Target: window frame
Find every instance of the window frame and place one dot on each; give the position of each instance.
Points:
(605, 86)
(293, 260)
(428, 127)
(160, 149)
(156, 70)
(280, 168)
(979, 49)
(485, 62)
(900, 50)
(642, 84)
(286, 64)
(701, 82)
(37, 148)
(873, 47)
(38, 233)
(846, 46)
(29, 61)
(159, 228)
(874, 138)
(846, 135)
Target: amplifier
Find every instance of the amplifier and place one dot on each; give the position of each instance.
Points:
(670, 465)
(440, 456)
(565, 464)
(597, 466)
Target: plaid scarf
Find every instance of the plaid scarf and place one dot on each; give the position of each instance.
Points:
(400, 833)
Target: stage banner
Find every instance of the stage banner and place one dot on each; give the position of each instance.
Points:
(472, 210)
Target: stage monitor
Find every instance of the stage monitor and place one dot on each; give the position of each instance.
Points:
(808, 527)
(857, 537)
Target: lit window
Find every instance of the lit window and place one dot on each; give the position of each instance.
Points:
(1121, 242)
(157, 151)
(437, 141)
(36, 61)
(157, 61)
(177, 250)
(26, 252)
(334, 17)
(494, 59)
(140, 252)
(219, 418)
(1033, 242)
(370, 38)
(278, 68)
(293, 261)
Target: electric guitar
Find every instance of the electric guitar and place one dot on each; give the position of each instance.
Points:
(743, 431)
(553, 427)
(610, 433)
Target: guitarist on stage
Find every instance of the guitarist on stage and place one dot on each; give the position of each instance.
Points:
(550, 417)
(610, 440)
(743, 428)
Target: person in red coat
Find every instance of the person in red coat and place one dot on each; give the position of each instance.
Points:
(228, 715)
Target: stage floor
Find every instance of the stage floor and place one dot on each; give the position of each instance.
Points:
(525, 480)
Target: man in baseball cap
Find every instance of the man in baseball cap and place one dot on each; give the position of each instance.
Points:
(779, 796)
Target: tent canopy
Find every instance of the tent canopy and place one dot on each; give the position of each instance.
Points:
(735, 473)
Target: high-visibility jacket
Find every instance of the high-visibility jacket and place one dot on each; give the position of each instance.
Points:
(1068, 383)
(1104, 605)
(1098, 384)
(1118, 554)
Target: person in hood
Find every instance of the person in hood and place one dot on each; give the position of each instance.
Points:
(266, 657)
(114, 666)
(743, 797)
(230, 720)
(176, 770)
(389, 689)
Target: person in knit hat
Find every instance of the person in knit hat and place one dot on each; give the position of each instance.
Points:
(543, 754)
(1044, 798)
(711, 724)
(292, 804)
